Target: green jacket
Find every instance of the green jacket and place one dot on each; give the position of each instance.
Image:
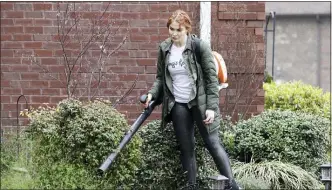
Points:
(204, 92)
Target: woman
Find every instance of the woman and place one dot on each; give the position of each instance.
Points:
(189, 92)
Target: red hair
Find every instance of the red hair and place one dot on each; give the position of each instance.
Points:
(182, 18)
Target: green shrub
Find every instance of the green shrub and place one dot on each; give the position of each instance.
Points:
(274, 175)
(8, 153)
(16, 174)
(290, 137)
(161, 159)
(73, 139)
(297, 96)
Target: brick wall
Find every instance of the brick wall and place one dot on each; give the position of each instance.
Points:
(30, 28)
(237, 33)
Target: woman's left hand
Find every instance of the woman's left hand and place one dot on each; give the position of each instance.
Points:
(209, 117)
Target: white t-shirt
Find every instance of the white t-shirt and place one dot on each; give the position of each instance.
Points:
(178, 70)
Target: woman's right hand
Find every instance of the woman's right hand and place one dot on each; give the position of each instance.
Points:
(148, 99)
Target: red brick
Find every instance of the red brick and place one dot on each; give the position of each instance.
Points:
(10, 91)
(247, 16)
(33, 30)
(148, 46)
(229, 15)
(259, 31)
(131, 69)
(220, 15)
(24, 22)
(48, 61)
(50, 92)
(56, 68)
(33, 45)
(138, 23)
(12, 45)
(40, 99)
(117, 69)
(43, 22)
(7, 6)
(51, 45)
(8, 107)
(19, 68)
(256, 7)
(6, 37)
(43, 53)
(23, 37)
(5, 83)
(126, 61)
(31, 91)
(150, 69)
(122, 53)
(57, 99)
(113, 7)
(159, 7)
(23, 6)
(10, 60)
(125, 15)
(38, 14)
(137, 38)
(7, 22)
(222, 7)
(5, 99)
(138, 8)
(257, 24)
(49, 14)
(42, 6)
(14, 14)
(146, 62)
(7, 53)
(236, 7)
(139, 54)
(94, 7)
(38, 84)
(149, 15)
(153, 54)
(261, 16)
(56, 84)
(12, 29)
(146, 77)
(259, 46)
(42, 37)
(29, 76)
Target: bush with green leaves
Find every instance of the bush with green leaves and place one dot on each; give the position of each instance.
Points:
(73, 139)
(297, 96)
(161, 159)
(291, 137)
(274, 175)
(8, 153)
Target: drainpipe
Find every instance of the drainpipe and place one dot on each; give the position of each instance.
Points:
(319, 43)
(205, 21)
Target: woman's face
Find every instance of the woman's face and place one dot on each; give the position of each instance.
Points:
(176, 32)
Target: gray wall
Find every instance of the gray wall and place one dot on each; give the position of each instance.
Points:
(302, 46)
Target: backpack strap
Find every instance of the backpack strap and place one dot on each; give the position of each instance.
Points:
(197, 48)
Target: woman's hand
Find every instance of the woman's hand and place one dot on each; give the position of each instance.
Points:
(148, 99)
(209, 117)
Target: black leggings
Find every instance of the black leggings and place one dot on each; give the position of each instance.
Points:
(183, 122)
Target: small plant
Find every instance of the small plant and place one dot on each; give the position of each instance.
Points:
(74, 138)
(274, 175)
(15, 166)
(291, 137)
(297, 96)
(161, 159)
